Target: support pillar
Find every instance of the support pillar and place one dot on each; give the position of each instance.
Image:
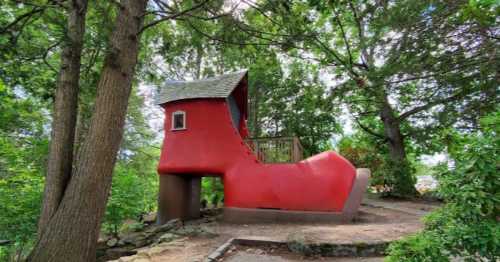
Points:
(179, 197)
(194, 197)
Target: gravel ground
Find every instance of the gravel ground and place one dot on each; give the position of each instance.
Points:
(387, 222)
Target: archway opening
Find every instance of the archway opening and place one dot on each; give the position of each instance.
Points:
(184, 196)
(212, 192)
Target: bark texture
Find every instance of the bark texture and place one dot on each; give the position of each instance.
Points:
(393, 133)
(60, 159)
(255, 126)
(402, 182)
(72, 232)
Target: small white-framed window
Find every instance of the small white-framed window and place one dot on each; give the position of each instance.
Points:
(179, 120)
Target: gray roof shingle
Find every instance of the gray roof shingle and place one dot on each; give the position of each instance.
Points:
(213, 87)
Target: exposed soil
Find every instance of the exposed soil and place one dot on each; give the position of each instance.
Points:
(372, 224)
(186, 249)
(281, 254)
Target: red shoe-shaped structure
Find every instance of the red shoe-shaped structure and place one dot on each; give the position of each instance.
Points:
(205, 132)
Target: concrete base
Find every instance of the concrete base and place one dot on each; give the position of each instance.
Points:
(254, 215)
(353, 202)
(179, 197)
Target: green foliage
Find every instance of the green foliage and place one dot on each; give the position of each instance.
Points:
(134, 189)
(467, 225)
(417, 248)
(131, 196)
(396, 66)
(399, 178)
(23, 147)
(306, 60)
(20, 206)
(212, 191)
(387, 178)
(286, 98)
(361, 151)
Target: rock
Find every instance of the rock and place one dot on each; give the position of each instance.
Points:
(128, 259)
(115, 253)
(141, 242)
(149, 218)
(170, 225)
(141, 259)
(102, 245)
(298, 243)
(208, 234)
(187, 231)
(112, 242)
(193, 230)
(259, 252)
(153, 251)
(197, 259)
(179, 242)
(167, 237)
(137, 239)
(130, 238)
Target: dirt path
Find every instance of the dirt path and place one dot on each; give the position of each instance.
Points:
(378, 221)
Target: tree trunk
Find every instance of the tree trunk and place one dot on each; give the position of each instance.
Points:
(392, 131)
(60, 159)
(255, 113)
(72, 233)
(199, 60)
(400, 176)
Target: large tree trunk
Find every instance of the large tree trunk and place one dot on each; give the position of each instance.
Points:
(72, 232)
(255, 123)
(392, 131)
(60, 159)
(199, 60)
(401, 178)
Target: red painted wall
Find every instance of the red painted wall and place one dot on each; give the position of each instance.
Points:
(211, 145)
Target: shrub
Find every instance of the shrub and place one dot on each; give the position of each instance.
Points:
(388, 177)
(21, 188)
(466, 226)
(130, 197)
(417, 248)
(212, 191)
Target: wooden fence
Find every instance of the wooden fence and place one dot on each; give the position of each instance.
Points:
(276, 149)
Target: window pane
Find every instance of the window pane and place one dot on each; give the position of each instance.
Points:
(178, 121)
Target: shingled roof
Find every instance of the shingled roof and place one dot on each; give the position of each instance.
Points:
(213, 87)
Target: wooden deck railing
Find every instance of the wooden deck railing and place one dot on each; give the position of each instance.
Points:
(276, 149)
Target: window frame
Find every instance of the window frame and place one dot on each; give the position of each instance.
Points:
(174, 114)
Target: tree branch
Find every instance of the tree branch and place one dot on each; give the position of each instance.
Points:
(46, 54)
(335, 55)
(364, 56)
(458, 67)
(344, 37)
(369, 131)
(223, 40)
(22, 17)
(173, 16)
(432, 104)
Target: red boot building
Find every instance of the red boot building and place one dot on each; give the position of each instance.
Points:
(205, 132)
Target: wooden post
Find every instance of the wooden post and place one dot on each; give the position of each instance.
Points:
(257, 149)
(179, 197)
(194, 197)
(296, 153)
